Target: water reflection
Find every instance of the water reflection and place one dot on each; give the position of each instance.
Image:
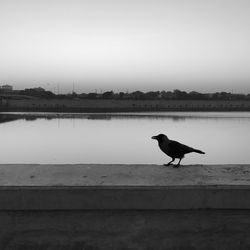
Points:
(175, 116)
(8, 118)
(122, 138)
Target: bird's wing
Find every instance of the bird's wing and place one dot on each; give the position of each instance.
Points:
(179, 148)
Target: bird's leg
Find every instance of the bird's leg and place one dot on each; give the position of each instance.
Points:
(178, 164)
(169, 162)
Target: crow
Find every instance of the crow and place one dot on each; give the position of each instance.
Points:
(174, 149)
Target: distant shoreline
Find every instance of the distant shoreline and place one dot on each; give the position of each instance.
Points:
(102, 106)
(116, 110)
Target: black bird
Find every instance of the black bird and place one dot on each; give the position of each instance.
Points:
(174, 149)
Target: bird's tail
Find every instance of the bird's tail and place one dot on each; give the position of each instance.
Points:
(198, 151)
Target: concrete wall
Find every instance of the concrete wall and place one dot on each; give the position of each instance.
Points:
(125, 229)
(143, 207)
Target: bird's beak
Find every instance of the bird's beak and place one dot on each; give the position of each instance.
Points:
(154, 137)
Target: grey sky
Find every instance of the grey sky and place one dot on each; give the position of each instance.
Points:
(126, 44)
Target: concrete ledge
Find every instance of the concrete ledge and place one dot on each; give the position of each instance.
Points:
(124, 207)
(129, 187)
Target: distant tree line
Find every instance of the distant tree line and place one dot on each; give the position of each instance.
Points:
(136, 95)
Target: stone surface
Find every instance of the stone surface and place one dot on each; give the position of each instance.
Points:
(122, 175)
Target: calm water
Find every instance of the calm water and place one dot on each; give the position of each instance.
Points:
(122, 138)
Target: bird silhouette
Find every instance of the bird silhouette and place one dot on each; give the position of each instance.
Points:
(174, 149)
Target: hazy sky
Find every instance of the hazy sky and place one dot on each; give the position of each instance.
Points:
(201, 45)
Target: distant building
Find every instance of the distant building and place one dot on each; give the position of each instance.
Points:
(6, 88)
(39, 89)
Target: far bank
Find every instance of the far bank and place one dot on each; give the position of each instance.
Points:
(102, 105)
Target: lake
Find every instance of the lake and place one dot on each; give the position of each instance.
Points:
(119, 138)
